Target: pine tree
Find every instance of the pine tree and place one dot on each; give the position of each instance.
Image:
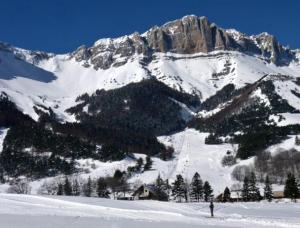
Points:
(268, 193)
(76, 188)
(186, 190)
(196, 187)
(67, 187)
(207, 191)
(226, 195)
(60, 190)
(118, 174)
(148, 164)
(102, 188)
(162, 189)
(291, 189)
(178, 188)
(159, 182)
(254, 194)
(139, 165)
(2, 179)
(124, 186)
(88, 189)
(167, 187)
(245, 190)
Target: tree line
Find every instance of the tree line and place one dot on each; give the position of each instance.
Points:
(117, 185)
(180, 190)
(251, 192)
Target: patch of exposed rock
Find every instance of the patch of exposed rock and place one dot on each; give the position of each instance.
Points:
(188, 35)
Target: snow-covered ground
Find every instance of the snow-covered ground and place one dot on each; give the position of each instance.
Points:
(3, 132)
(284, 119)
(285, 145)
(26, 211)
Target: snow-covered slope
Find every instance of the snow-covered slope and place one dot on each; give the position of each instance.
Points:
(54, 81)
(31, 78)
(192, 155)
(32, 211)
(3, 133)
(57, 81)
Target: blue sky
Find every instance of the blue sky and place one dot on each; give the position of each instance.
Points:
(62, 25)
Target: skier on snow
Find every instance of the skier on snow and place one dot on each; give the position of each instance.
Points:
(211, 207)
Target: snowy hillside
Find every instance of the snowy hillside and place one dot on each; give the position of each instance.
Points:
(57, 81)
(200, 82)
(32, 211)
(191, 155)
(31, 78)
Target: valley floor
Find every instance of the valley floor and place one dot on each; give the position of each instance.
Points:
(28, 211)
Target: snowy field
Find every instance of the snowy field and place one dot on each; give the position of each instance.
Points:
(27, 211)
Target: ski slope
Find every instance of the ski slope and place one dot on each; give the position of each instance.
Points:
(191, 155)
(3, 132)
(27, 211)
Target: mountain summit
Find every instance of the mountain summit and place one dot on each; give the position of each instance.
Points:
(188, 35)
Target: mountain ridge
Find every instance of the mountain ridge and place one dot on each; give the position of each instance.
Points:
(188, 35)
(204, 36)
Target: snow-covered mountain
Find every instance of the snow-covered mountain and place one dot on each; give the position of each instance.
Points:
(195, 59)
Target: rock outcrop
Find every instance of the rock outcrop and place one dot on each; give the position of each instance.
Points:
(188, 35)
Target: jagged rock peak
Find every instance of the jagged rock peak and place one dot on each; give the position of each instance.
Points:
(188, 35)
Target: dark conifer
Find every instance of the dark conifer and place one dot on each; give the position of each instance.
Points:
(159, 182)
(88, 188)
(207, 191)
(226, 195)
(291, 189)
(139, 165)
(254, 194)
(196, 187)
(268, 193)
(245, 190)
(167, 187)
(148, 164)
(67, 187)
(102, 190)
(178, 188)
(118, 174)
(60, 190)
(76, 188)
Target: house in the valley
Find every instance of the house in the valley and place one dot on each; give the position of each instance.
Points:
(235, 196)
(149, 192)
(278, 194)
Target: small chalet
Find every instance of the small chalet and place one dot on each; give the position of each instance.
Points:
(149, 192)
(235, 196)
(278, 194)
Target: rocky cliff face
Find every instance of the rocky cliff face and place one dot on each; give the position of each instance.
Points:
(188, 35)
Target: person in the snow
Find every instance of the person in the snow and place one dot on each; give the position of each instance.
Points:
(211, 207)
